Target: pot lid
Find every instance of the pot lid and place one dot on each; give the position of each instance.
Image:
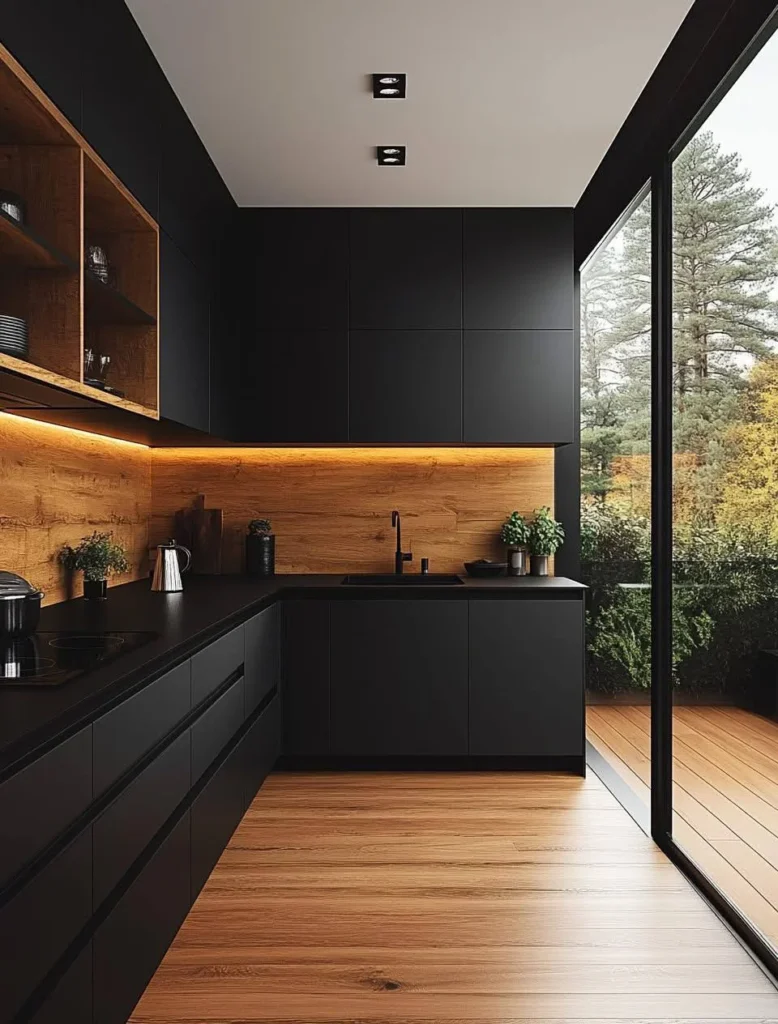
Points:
(12, 586)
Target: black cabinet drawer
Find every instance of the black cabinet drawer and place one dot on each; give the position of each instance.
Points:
(215, 815)
(526, 678)
(124, 735)
(40, 922)
(306, 677)
(260, 748)
(70, 999)
(39, 802)
(216, 727)
(130, 943)
(262, 655)
(212, 665)
(125, 828)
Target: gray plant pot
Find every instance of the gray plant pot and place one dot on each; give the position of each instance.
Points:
(539, 565)
(517, 562)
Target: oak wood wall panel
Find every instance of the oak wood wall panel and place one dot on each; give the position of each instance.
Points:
(331, 508)
(56, 486)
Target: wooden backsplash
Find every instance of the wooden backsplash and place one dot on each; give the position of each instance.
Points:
(58, 485)
(330, 508)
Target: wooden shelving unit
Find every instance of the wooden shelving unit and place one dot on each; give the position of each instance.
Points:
(73, 201)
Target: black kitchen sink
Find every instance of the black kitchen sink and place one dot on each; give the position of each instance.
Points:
(402, 580)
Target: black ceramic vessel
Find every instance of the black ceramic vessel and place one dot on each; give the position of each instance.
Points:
(95, 590)
(261, 554)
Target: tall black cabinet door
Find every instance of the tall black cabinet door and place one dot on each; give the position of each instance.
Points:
(305, 684)
(45, 36)
(184, 339)
(526, 677)
(406, 269)
(399, 677)
(519, 387)
(296, 387)
(300, 268)
(263, 655)
(518, 269)
(405, 386)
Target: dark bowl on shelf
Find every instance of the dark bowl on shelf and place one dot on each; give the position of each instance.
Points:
(484, 568)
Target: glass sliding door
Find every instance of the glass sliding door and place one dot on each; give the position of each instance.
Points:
(615, 315)
(725, 497)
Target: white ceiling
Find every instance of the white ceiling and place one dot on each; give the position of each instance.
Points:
(510, 102)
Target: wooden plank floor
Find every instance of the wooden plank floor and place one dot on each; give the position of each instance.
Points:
(421, 898)
(725, 793)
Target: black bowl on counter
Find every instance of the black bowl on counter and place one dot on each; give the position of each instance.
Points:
(483, 568)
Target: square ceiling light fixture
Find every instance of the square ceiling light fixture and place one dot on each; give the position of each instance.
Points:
(389, 87)
(390, 156)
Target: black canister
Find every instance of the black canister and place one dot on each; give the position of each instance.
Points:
(261, 554)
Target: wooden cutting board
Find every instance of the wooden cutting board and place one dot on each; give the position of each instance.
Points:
(201, 529)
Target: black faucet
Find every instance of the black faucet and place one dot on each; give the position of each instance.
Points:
(400, 556)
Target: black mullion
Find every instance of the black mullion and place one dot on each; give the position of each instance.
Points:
(661, 502)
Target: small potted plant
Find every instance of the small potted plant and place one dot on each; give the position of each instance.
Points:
(515, 535)
(260, 549)
(545, 536)
(97, 557)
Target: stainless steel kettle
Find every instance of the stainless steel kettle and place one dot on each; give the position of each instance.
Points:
(167, 570)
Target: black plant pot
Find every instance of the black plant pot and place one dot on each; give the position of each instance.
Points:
(261, 554)
(539, 565)
(95, 590)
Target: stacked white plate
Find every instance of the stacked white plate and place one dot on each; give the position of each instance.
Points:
(13, 336)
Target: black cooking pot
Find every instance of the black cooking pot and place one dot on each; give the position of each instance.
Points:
(20, 607)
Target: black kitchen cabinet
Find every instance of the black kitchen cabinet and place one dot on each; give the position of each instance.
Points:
(260, 748)
(122, 84)
(263, 654)
(405, 387)
(216, 812)
(130, 943)
(214, 664)
(184, 339)
(296, 387)
(128, 825)
(45, 36)
(42, 919)
(526, 677)
(306, 677)
(215, 728)
(299, 261)
(40, 801)
(406, 269)
(70, 997)
(399, 677)
(519, 387)
(518, 269)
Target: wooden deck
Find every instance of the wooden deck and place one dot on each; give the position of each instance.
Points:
(725, 794)
(441, 898)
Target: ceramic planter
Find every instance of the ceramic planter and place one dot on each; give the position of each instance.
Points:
(539, 565)
(261, 554)
(95, 590)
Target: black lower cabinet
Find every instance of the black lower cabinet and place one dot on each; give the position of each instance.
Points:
(399, 677)
(261, 669)
(526, 678)
(306, 677)
(216, 812)
(70, 998)
(130, 943)
(260, 749)
(215, 728)
(41, 921)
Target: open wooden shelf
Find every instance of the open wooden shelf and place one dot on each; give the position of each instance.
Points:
(73, 200)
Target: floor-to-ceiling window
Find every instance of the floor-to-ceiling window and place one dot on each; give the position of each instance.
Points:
(616, 494)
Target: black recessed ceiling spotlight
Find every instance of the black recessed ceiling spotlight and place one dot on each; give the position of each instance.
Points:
(390, 156)
(389, 87)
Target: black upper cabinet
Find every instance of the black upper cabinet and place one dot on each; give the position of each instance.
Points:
(406, 268)
(399, 677)
(405, 386)
(518, 269)
(122, 86)
(519, 387)
(300, 268)
(184, 339)
(45, 37)
(296, 387)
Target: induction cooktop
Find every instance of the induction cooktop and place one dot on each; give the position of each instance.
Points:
(51, 659)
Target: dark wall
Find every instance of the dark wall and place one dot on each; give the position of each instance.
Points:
(92, 60)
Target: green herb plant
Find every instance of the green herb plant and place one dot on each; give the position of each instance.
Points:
(257, 527)
(545, 533)
(97, 557)
(515, 531)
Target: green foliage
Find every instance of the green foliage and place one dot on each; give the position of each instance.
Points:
(608, 533)
(259, 526)
(515, 531)
(96, 556)
(545, 533)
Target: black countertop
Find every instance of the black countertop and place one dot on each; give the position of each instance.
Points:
(32, 718)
